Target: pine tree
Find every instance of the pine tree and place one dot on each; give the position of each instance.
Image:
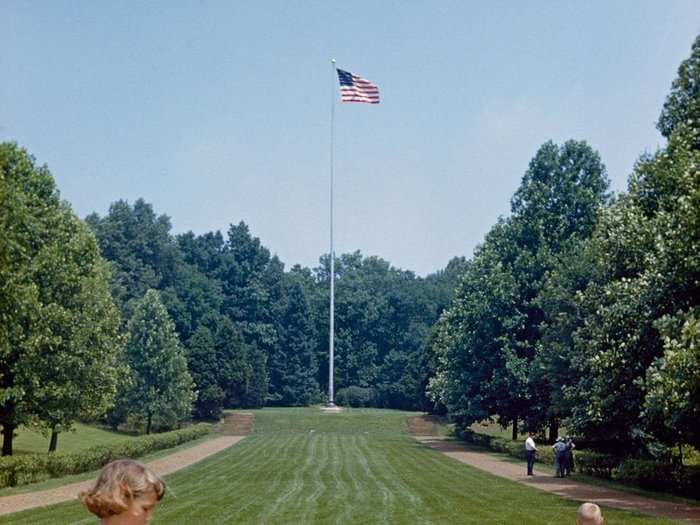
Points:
(293, 366)
(204, 367)
(233, 369)
(256, 393)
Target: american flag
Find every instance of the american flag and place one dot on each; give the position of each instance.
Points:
(357, 89)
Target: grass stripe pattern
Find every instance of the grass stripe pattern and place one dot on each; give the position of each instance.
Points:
(303, 466)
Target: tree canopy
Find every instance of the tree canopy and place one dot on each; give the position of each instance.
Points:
(161, 390)
(59, 341)
(582, 309)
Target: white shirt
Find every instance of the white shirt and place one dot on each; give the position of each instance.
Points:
(530, 444)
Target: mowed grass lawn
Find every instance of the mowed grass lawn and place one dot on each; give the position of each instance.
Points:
(82, 437)
(361, 466)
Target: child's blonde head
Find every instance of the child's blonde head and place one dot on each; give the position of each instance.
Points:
(589, 514)
(118, 484)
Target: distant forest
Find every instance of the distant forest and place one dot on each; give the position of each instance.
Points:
(265, 331)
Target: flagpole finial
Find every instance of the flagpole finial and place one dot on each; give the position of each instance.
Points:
(332, 60)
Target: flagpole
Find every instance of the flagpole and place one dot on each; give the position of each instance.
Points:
(332, 305)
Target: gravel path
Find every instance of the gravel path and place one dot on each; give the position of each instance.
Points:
(562, 487)
(239, 424)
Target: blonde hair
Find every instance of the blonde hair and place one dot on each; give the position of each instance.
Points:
(589, 514)
(118, 484)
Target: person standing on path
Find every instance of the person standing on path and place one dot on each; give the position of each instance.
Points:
(530, 450)
(569, 455)
(559, 457)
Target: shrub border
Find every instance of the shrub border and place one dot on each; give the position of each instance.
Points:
(32, 468)
(643, 473)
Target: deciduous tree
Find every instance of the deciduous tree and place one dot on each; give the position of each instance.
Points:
(59, 339)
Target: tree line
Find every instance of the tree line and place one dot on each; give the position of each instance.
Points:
(255, 334)
(583, 308)
(116, 318)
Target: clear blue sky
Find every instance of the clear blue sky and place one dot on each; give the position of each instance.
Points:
(217, 112)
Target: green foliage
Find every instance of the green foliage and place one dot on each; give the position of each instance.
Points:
(472, 338)
(234, 370)
(250, 284)
(59, 342)
(293, 365)
(671, 406)
(383, 319)
(143, 254)
(227, 371)
(557, 204)
(655, 475)
(559, 197)
(162, 390)
(682, 106)
(645, 274)
(356, 396)
(231, 285)
(587, 462)
(72, 368)
(203, 365)
(32, 468)
(584, 313)
(545, 455)
(596, 464)
(256, 392)
(400, 384)
(487, 342)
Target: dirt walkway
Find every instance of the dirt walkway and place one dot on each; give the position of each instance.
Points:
(562, 487)
(235, 426)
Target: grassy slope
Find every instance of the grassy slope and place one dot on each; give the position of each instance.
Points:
(302, 466)
(83, 437)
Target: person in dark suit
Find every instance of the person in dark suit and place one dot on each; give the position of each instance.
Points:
(569, 455)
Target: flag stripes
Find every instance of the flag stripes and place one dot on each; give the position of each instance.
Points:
(357, 89)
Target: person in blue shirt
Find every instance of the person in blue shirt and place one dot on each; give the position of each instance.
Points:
(559, 457)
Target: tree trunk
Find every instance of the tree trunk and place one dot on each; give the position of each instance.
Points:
(54, 441)
(8, 432)
(148, 423)
(515, 429)
(553, 429)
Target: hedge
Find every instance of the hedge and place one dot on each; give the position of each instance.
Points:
(655, 475)
(648, 474)
(545, 455)
(356, 396)
(32, 468)
(596, 464)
